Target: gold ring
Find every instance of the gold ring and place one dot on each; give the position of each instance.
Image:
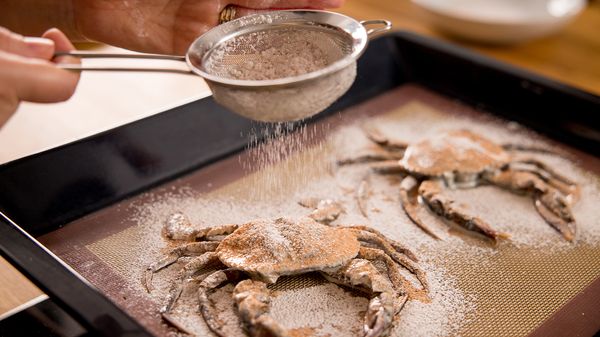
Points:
(227, 14)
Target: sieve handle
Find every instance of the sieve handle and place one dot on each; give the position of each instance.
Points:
(88, 54)
(386, 25)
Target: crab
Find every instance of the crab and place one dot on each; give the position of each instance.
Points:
(254, 255)
(463, 159)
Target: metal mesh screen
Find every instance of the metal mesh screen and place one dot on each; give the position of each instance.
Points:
(278, 51)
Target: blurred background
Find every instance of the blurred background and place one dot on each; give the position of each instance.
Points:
(556, 38)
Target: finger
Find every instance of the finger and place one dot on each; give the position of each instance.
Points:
(249, 7)
(62, 44)
(36, 80)
(288, 4)
(205, 15)
(25, 46)
(243, 11)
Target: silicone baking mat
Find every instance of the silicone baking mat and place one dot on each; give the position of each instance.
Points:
(477, 289)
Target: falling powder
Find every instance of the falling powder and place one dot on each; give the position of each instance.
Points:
(273, 145)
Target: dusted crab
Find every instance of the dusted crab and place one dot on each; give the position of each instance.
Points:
(257, 253)
(463, 159)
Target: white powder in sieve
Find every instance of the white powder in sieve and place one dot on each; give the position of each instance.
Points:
(272, 54)
(280, 53)
(286, 103)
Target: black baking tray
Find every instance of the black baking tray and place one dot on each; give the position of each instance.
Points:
(45, 191)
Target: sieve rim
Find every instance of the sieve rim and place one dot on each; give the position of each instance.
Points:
(354, 30)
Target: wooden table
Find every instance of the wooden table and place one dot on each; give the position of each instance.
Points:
(106, 100)
(571, 56)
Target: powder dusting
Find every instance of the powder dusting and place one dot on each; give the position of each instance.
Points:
(290, 167)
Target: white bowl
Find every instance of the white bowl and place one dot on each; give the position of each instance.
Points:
(500, 21)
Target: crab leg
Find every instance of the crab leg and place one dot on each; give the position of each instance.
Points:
(398, 281)
(207, 308)
(548, 201)
(374, 155)
(378, 138)
(362, 196)
(528, 148)
(390, 251)
(364, 189)
(431, 191)
(361, 274)
(570, 191)
(190, 249)
(206, 233)
(174, 295)
(546, 168)
(177, 289)
(253, 300)
(388, 150)
(560, 182)
(198, 263)
(179, 227)
(388, 167)
(400, 248)
(408, 196)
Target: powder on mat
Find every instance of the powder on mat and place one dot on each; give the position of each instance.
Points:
(284, 176)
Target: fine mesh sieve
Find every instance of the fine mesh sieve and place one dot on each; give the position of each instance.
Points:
(283, 65)
(275, 66)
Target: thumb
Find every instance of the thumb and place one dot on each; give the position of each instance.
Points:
(60, 43)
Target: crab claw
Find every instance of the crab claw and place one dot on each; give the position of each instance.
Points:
(379, 316)
(178, 227)
(477, 225)
(431, 191)
(147, 280)
(324, 211)
(555, 210)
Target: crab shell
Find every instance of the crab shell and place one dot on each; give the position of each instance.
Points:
(458, 156)
(271, 248)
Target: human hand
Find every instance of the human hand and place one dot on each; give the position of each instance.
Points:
(27, 71)
(166, 26)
